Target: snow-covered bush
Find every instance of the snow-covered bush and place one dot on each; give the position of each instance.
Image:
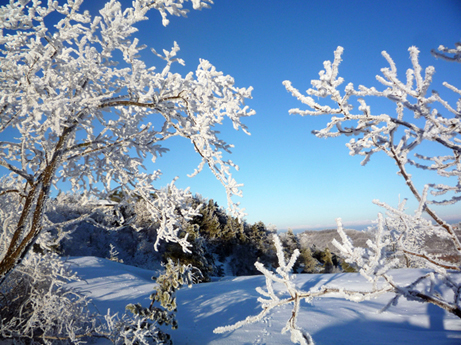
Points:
(37, 308)
(417, 121)
(175, 276)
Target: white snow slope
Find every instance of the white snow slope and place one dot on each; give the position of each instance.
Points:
(329, 320)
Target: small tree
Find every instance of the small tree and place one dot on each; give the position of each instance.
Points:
(307, 261)
(175, 276)
(416, 121)
(327, 261)
(290, 243)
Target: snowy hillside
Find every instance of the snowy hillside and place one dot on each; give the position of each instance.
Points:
(329, 320)
(323, 238)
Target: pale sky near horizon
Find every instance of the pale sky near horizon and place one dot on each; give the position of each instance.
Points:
(291, 178)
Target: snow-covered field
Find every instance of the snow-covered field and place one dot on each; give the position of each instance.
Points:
(331, 320)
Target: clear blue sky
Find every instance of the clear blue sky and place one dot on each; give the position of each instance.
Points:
(291, 178)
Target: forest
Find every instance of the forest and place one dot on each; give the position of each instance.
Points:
(221, 244)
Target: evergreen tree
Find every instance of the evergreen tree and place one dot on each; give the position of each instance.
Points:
(199, 257)
(210, 227)
(244, 256)
(175, 276)
(290, 243)
(327, 261)
(306, 261)
(231, 234)
(256, 235)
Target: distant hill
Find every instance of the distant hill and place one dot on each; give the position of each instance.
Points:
(444, 247)
(323, 238)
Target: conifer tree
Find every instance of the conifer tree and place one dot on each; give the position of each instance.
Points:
(210, 226)
(175, 276)
(290, 243)
(307, 261)
(327, 261)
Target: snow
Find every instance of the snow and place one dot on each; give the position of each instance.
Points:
(330, 320)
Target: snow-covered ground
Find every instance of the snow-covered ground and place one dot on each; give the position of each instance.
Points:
(330, 320)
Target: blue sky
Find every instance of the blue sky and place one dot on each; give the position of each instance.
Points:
(291, 178)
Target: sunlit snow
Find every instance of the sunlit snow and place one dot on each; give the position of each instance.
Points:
(330, 320)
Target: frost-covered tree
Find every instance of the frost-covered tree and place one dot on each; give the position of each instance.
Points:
(78, 104)
(290, 241)
(70, 111)
(422, 118)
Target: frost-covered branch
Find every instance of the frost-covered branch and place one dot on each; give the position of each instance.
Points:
(404, 243)
(445, 53)
(417, 121)
(270, 300)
